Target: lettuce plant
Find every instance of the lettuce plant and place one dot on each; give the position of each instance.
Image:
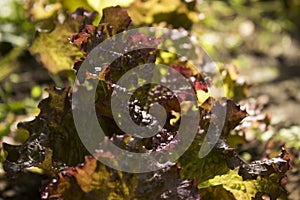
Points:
(74, 173)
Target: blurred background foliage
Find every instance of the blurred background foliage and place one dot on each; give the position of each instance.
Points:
(260, 38)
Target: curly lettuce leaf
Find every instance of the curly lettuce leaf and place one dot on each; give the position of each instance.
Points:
(230, 182)
(53, 129)
(114, 20)
(258, 179)
(93, 180)
(52, 46)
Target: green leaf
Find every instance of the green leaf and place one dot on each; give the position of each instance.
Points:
(252, 180)
(178, 13)
(205, 168)
(73, 5)
(39, 10)
(233, 183)
(234, 86)
(54, 49)
(99, 5)
(16, 106)
(36, 92)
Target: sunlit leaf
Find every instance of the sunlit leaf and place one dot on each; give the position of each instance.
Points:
(233, 183)
(155, 11)
(267, 180)
(54, 49)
